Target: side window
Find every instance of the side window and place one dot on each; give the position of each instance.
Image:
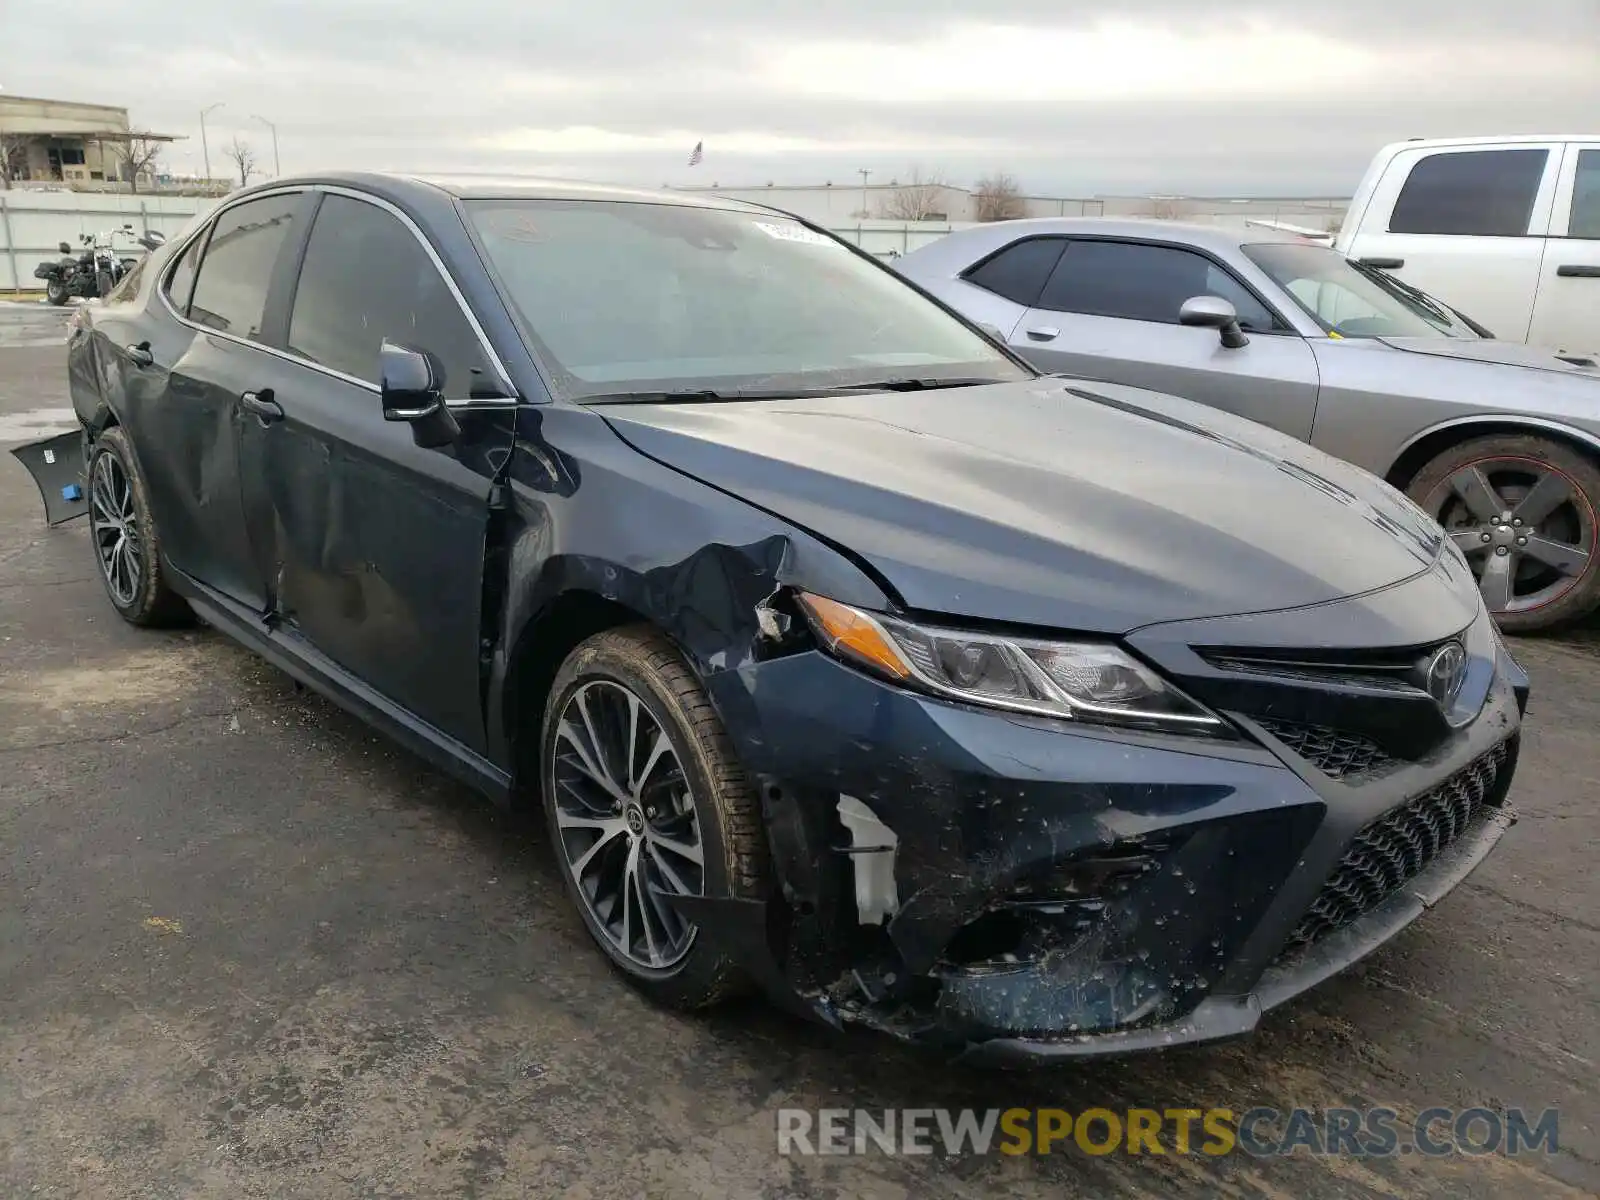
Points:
(1585, 221)
(231, 293)
(1018, 272)
(181, 282)
(367, 278)
(1143, 283)
(1485, 193)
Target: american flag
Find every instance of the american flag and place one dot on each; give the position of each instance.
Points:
(697, 154)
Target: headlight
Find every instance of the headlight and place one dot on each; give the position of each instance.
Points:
(1087, 681)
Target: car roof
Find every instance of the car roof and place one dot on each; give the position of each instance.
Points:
(1507, 139)
(958, 250)
(394, 185)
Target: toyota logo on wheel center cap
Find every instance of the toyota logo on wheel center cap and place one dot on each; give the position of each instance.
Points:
(1446, 672)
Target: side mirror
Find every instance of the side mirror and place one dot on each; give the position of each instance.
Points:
(1213, 312)
(412, 386)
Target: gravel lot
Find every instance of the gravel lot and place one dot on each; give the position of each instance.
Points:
(249, 949)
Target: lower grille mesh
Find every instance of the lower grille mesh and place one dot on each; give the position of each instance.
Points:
(1397, 846)
(1334, 752)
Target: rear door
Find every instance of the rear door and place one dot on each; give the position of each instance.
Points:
(183, 405)
(1566, 313)
(373, 546)
(1466, 225)
(1110, 311)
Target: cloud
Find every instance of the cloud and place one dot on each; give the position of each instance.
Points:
(1169, 95)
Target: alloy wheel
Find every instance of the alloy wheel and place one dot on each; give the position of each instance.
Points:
(627, 823)
(1526, 527)
(114, 527)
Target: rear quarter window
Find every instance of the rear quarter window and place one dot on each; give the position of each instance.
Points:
(1018, 272)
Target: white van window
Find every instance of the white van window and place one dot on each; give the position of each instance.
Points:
(1483, 193)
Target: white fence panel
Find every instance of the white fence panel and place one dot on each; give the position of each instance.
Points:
(33, 223)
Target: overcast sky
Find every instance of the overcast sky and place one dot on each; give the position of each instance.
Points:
(1247, 96)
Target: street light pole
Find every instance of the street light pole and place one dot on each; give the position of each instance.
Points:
(865, 173)
(276, 171)
(205, 149)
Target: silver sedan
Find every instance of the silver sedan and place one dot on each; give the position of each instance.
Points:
(1500, 442)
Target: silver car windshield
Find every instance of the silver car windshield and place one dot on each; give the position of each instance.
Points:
(1351, 300)
(621, 299)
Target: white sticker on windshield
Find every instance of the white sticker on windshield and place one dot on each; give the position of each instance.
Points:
(794, 233)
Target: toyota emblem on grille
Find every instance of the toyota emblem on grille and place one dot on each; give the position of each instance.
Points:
(1447, 671)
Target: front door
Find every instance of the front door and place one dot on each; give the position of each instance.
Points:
(1110, 311)
(373, 547)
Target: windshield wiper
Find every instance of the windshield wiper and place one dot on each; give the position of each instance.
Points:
(705, 395)
(918, 385)
(714, 395)
(1405, 292)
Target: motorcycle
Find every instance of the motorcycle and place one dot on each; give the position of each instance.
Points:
(96, 269)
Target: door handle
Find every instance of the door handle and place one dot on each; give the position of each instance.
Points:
(1578, 271)
(1383, 264)
(266, 409)
(139, 355)
(1044, 333)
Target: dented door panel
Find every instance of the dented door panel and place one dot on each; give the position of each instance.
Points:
(370, 547)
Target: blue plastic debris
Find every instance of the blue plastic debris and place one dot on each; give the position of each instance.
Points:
(72, 492)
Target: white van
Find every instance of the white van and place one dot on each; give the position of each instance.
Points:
(1507, 230)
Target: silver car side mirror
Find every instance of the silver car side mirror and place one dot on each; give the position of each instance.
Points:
(1213, 312)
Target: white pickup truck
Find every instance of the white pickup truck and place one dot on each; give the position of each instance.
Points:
(1507, 230)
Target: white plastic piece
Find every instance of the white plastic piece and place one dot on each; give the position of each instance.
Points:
(873, 846)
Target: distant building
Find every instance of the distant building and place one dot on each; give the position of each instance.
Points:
(64, 141)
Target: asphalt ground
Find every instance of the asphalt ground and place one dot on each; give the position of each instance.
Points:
(248, 948)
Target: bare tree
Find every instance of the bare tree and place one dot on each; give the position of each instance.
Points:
(140, 153)
(243, 156)
(998, 197)
(13, 156)
(919, 198)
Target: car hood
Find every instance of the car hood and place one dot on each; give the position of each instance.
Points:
(1053, 502)
(1580, 361)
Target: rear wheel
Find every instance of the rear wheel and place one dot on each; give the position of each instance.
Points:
(55, 290)
(1523, 510)
(645, 800)
(126, 544)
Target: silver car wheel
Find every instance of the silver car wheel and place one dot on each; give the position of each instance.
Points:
(628, 827)
(1526, 527)
(114, 528)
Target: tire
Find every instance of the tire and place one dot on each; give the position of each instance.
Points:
(103, 284)
(726, 812)
(55, 291)
(140, 597)
(1536, 554)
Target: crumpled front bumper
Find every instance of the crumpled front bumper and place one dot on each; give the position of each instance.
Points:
(1054, 891)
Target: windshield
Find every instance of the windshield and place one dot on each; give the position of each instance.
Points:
(630, 298)
(1351, 300)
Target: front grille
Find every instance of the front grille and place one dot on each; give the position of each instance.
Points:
(1396, 847)
(1334, 752)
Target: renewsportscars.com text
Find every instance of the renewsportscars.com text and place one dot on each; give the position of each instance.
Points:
(1259, 1132)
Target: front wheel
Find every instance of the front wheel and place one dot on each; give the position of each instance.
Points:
(55, 290)
(644, 801)
(126, 545)
(1522, 509)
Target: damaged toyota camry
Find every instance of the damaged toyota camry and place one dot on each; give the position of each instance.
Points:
(848, 657)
